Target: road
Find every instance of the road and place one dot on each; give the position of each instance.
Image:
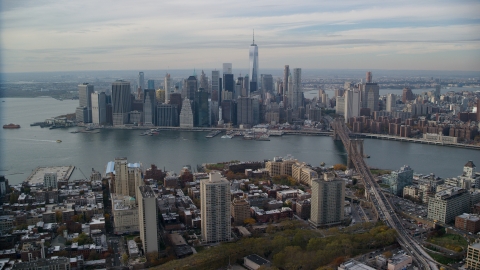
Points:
(382, 204)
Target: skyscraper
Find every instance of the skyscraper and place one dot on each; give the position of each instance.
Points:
(215, 209)
(168, 86)
(204, 81)
(369, 77)
(201, 109)
(253, 71)
(141, 81)
(99, 108)
(85, 92)
(149, 103)
(215, 85)
(297, 89)
(167, 115)
(186, 114)
(192, 87)
(128, 177)
(266, 83)
(286, 73)
(327, 202)
(245, 111)
(229, 83)
(352, 104)
(148, 219)
(151, 84)
(121, 102)
(407, 95)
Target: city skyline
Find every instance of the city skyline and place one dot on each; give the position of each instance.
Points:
(55, 36)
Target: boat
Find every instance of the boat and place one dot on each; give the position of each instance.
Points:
(226, 137)
(366, 156)
(322, 164)
(59, 141)
(11, 126)
(264, 137)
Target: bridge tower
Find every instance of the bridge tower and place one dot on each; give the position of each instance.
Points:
(336, 136)
(354, 146)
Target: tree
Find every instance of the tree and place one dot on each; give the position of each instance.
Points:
(93, 256)
(58, 216)
(339, 167)
(249, 221)
(388, 254)
(14, 198)
(61, 229)
(124, 258)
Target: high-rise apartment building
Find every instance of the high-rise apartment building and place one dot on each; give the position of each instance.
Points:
(148, 219)
(473, 257)
(121, 102)
(50, 180)
(215, 209)
(352, 104)
(253, 66)
(141, 81)
(99, 108)
(85, 92)
(327, 201)
(391, 102)
(128, 177)
(149, 105)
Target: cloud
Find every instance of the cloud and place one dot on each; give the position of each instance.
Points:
(112, 31)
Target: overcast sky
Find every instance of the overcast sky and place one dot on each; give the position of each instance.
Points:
(54, 35)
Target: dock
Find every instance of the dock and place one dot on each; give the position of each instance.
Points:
(36, 177)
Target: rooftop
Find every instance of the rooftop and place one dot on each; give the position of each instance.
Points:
(257, 259)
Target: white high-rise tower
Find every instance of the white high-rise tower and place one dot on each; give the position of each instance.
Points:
(253, 55)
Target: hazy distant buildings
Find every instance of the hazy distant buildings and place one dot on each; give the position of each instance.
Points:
(286, 73)
(407, 95)
(245, 111)
(215, 85)
(192, 87)
(391, 102)
(167, 86)
(227, 68)
(370, 96)
(201, 109)
(167, 115)
(121, 102)
(253, 66)
(215, 209)
(151, 84)
(266, 83)
(327, 201)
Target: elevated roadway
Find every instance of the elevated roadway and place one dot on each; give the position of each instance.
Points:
(382, 204)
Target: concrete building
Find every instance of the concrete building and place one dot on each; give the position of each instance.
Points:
(121, 102)
(149, 106)
(148, 218)
(473, 256)
(99, 108)
(448, 203)
(370, 96)
(186, 114)
(240, 209)
(303, 173)
(340, 105)
(280, 166)
(399, 262)
(215, 209)
(327, 202)
(397, 180)
(50, 180)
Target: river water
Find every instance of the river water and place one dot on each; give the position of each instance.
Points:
(22, 150)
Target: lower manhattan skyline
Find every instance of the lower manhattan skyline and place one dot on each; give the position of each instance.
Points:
(57, 36)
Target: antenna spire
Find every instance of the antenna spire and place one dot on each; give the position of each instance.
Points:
(253, 36)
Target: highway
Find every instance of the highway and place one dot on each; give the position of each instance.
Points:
(384, 208)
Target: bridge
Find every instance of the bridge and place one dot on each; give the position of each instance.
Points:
(383, 207)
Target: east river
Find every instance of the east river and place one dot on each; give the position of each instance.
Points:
(22, 150)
